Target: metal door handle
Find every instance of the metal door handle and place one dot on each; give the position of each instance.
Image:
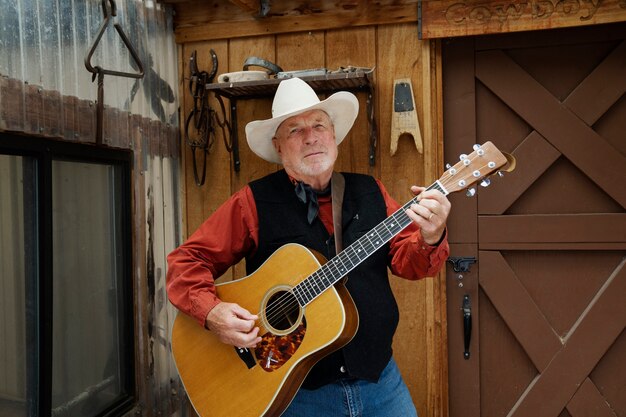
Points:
(467, 325)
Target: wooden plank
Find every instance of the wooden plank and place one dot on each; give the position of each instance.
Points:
(52, 113)
(341, 52)
(459, 126)
(252, 167)
(11, 104)
(140, 283)
(448, 18)
(564, 246)
(509, 296)
(532, 330)
(223, 20)
(33, 105)
(534, 156)
(300, 51)
(589, 402)
(593, 334)
(556, 228)
(249, 6)
(201, 201)
(415, 334)
(464, 381)
(589, 151)
(438, 377)
(606, 84)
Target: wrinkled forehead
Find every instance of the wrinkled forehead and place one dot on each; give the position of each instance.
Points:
(308, 116)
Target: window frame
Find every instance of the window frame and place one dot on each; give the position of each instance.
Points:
(39, 357)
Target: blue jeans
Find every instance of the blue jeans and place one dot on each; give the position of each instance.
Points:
(389, 397)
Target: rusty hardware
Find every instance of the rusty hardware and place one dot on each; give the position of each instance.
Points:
(202, 118)
(100, 72)
(461, 263)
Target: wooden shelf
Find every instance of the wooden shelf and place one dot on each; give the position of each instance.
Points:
(355, 80)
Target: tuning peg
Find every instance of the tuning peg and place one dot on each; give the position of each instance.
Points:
(476, 147)
(470, 192)
(500, 174)
(448, 166)
(485, 183)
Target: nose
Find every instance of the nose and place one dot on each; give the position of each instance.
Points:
(309, 135)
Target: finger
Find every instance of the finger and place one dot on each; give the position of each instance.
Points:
(243, 314)
(253, 337)
(420, 210)
(250, 339)
(430, 204)
(419, 215)
(415, 189)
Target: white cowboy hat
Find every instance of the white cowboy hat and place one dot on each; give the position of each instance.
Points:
(294, 96)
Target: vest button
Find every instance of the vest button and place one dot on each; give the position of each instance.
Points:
(342, 369)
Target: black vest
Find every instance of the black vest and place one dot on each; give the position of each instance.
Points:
(282, 219)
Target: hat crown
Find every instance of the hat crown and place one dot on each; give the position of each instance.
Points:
(292, 95)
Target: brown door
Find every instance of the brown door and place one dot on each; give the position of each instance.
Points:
(547, 293)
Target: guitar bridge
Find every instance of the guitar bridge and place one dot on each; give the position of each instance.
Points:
(246, 356)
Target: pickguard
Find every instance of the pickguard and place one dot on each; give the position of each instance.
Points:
(274, 351)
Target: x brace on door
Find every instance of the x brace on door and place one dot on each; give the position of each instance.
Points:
(564, 125)
(563, 366)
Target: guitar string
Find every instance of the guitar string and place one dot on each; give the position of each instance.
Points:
(293, 304)
(278, 307)
(366, 244)
(312, 280)
(283, 309)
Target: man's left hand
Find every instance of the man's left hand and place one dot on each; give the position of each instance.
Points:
(430, 213)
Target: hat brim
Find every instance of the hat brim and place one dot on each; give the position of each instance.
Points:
(342, 108)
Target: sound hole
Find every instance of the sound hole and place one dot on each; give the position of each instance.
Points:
(282, 311)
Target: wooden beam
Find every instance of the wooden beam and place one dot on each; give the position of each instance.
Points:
(248, 6)
(215, 19)
(446, 18)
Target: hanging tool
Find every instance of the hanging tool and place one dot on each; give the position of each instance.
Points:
(100, 72)
(201, 117)
(404, 118)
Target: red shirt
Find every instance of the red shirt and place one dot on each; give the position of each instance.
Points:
(232, 232)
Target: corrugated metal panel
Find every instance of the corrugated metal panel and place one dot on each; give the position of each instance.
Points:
(44, 43)
(45, 89)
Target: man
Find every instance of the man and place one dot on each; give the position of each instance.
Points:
(294, 205)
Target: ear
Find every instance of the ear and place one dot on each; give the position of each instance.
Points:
(276, 145)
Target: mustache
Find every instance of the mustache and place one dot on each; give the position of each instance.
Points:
(316, 149)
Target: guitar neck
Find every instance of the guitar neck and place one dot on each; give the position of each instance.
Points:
(352, 256)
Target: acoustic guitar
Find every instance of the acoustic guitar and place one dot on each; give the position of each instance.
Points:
(304, 313)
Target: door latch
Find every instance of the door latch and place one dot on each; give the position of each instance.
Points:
(467, 325)
(461, 263)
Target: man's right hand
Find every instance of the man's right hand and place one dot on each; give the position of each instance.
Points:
(233, 325)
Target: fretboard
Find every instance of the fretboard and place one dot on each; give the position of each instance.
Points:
(349, 258)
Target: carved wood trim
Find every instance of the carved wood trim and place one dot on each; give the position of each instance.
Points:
(447, 18)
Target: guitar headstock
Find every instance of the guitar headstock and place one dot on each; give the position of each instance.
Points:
(484, 161)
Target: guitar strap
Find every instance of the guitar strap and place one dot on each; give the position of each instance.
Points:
(338, 185)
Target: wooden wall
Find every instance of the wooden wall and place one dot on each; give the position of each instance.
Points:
(395, 52)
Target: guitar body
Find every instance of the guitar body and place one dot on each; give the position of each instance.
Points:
(218, 380)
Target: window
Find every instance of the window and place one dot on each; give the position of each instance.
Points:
(66, 317)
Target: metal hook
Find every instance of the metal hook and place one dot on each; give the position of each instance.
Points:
(120, 31)
(100, 72)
